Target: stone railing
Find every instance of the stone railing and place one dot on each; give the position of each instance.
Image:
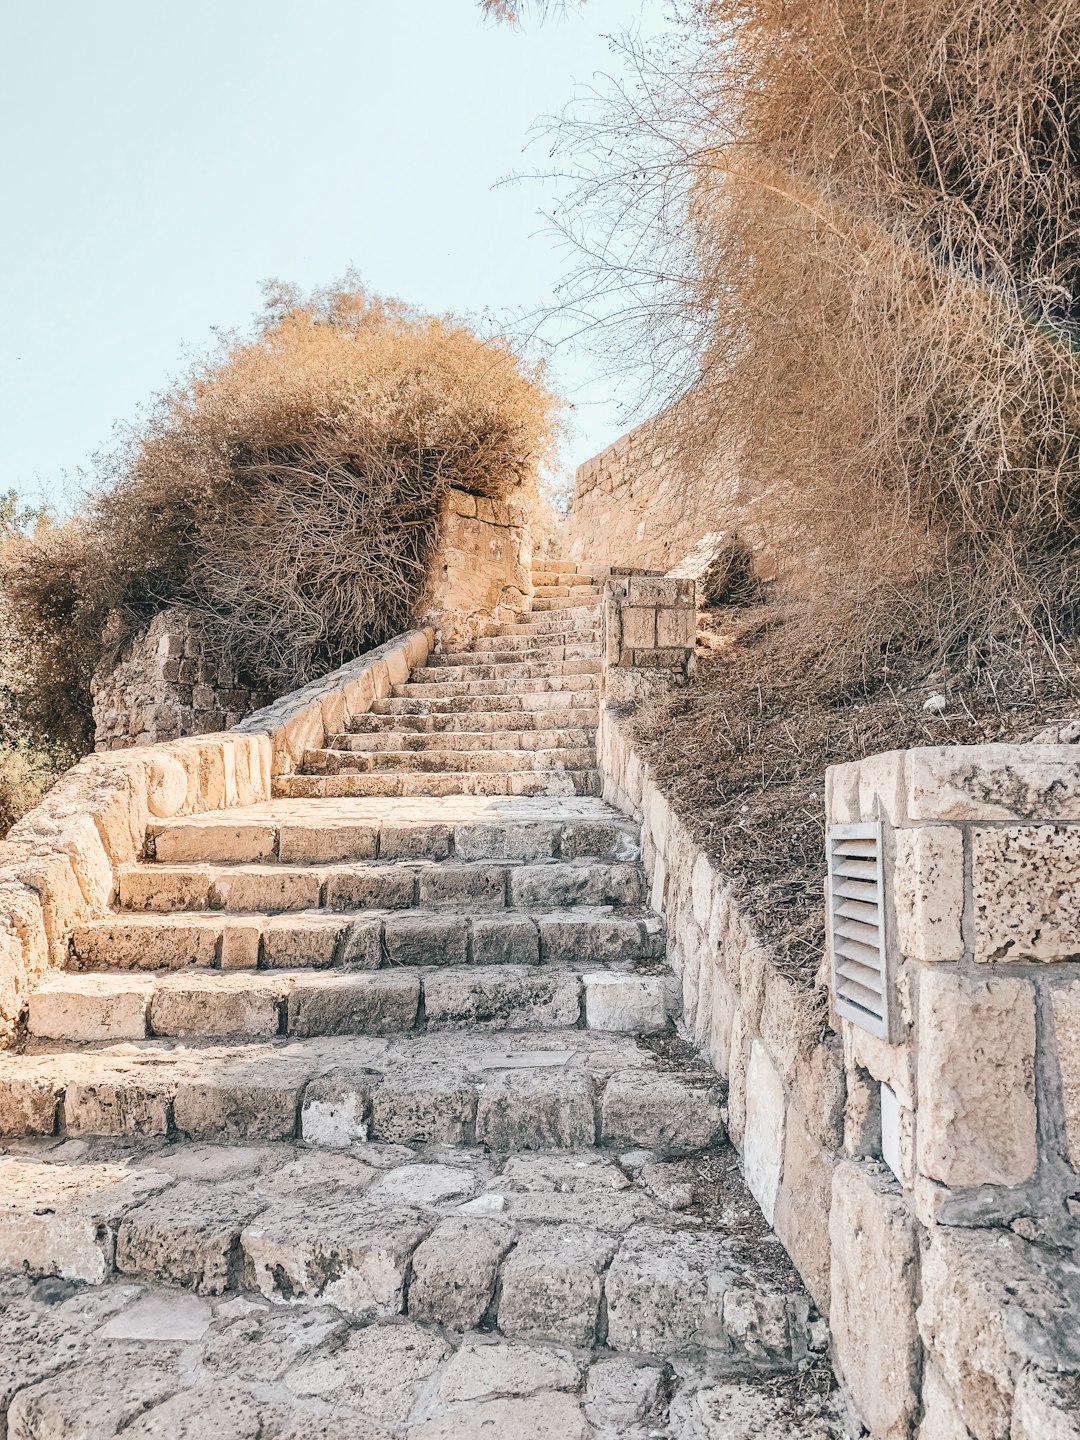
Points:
(58, 866)
(951, 1287)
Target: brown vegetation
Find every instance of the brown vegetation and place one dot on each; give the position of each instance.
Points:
(289, 493)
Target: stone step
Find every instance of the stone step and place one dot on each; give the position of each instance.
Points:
(165, 889)
(322, 938)
(535, 645)
(509, 673)
(322, 832)
(534, 738)
(571, 603)
(559, 590)
(533, 701)
(436, 784)
(569, 1249)
(206, 1004)
(574, 682)
(497, 656)
(509, 1090)
(451, 759)
(307, 1372)
(518, 722)
(569, 623)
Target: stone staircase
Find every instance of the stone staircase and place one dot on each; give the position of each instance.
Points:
(364, 1115)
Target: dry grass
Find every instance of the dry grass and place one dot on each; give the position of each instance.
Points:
(289, 492)
(742, 751)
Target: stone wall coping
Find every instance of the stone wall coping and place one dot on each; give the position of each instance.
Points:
(957, 783)
(59, 864)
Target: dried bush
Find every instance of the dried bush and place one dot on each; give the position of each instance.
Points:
(855, 231)
(289, 493)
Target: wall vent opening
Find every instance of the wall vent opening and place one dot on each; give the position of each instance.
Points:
(857, 926)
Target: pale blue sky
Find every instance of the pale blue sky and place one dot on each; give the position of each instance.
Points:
(160, 159)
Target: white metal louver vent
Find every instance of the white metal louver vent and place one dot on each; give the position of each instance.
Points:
(857, 926)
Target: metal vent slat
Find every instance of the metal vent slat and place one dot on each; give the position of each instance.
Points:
(856, 926)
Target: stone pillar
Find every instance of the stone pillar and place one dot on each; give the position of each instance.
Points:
(962, 1188)
(481, 569)
(650, 631)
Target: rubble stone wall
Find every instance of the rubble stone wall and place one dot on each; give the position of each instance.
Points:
(952, 1286)
(166, 686)
(59, 865)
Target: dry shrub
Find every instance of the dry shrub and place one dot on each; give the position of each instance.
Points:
(289, 493)
(855, 230)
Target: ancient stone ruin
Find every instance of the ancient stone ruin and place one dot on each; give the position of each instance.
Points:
(393, 1063)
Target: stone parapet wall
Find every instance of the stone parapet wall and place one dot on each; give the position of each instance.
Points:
(952, 1288)
(166, 686)
(640, 503)
(59, 865)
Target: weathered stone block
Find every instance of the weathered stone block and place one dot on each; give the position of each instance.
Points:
(454, 1271)
(928, 890)
(1024, 896)
(552, 1282)
(189, 1235)
(505, 940)
(669, 1113)
(874, 1274)
(536, 1110)
(976, 1081)
(426, 939)
(638, 627)
(632, 1004)
(91, 1007)
(1066, 1013)
(993, 782)
(971, 1280)
(803, 1203)
(763, 1138)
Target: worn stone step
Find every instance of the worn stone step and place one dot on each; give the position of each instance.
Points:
(450, 758)
(435, 784)
(467, 828)
(248, 1367)
(509, 668)
(586, 606)
(583, 594)
(509, 1090)
(379, 885)
(575, 683)
(534, 701)
(534, 738)
(504, 722)
(535, 646)
(569, 623)
(582, 935)
(569, 1249)
(204, 1003)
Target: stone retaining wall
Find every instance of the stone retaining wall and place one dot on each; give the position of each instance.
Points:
(58, 866)
(166, 686)
(482, 569)
(952, 1287)
(639, 503)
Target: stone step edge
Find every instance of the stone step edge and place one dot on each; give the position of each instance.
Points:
(438, 784)
(109, 1006)
(222, 940)
(256, 1091)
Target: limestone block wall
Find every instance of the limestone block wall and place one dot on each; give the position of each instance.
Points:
(166, 686)
(952, 1285)
(639, 503)
(482, 568)
(59, 864)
